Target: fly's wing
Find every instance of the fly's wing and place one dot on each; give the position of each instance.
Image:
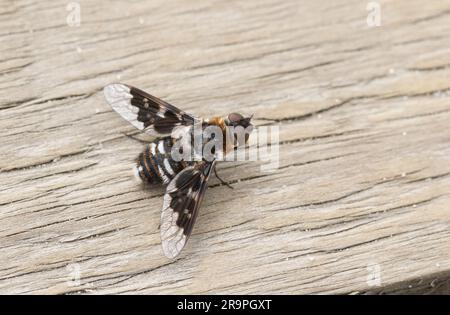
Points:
(182, 200)
(146, 112)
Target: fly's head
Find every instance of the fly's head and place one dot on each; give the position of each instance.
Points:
(241, 128)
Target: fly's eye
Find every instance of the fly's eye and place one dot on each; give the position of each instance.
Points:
(235, 118)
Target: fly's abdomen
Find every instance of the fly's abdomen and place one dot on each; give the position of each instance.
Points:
(155, 165)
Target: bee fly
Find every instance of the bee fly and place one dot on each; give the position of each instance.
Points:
(186, 179)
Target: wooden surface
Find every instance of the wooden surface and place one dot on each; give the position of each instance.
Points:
(364, 178)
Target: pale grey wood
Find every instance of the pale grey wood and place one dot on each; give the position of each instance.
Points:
(364, 178)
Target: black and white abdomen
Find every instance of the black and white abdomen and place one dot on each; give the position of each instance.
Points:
(155, 165)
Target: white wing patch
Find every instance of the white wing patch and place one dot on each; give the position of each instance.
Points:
(119, 97)
(172, 236)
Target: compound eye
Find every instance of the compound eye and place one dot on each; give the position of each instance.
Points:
(234, 118)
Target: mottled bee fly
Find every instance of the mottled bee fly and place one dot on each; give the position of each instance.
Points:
(160, 162)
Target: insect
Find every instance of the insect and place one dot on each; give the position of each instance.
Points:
(186, 179)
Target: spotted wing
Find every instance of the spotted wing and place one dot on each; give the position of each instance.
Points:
(182, 200)
(144, 111)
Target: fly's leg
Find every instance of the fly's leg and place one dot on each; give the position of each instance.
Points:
(220, 179)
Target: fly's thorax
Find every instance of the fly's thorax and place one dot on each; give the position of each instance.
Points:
(227, 137)
(216, 121)
(235, 130)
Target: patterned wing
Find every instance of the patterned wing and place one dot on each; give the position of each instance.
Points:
(146, 112)
(182, 200)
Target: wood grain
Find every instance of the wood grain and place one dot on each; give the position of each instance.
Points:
(364, 178)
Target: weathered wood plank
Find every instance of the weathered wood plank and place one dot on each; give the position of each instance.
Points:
(364, 177)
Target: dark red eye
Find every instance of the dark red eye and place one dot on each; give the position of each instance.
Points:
(235, 118)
